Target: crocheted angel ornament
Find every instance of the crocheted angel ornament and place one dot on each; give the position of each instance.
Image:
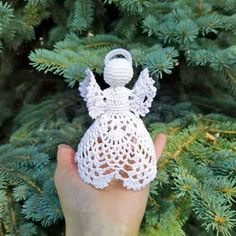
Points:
(117, 144)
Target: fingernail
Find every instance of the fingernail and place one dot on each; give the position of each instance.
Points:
(60, 146)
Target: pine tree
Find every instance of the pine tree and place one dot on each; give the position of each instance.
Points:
(17, 25)
(189, 48)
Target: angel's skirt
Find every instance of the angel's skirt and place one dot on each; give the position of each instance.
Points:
(116, 146)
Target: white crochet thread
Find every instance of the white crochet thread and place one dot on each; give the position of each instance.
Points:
(118, 72)
(117, 145)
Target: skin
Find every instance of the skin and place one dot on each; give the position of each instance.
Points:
(88, 211)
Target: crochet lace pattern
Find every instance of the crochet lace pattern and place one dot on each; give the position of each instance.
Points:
(117, 144)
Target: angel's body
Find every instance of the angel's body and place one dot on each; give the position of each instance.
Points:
(117, 99)
(117, 144)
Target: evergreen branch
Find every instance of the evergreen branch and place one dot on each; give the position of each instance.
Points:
(72, 58)
(161, 60)
(23, 177)
(223, 131)
(196, 173)
(157, 206)
(150, 25)
(134, 6)
(48, 61)
(20, 192)
(82, 16)
(34, 14)
(191, 138)
(6, 14)
(216, 214)
(210, 23)
(12, 214)
(34, 124)
(72, 42)
(28, 229)
(233, 79)
(186, 32)
(224, 185)
(184, 182)
(179, 149)
(38, 2)
(90, 45)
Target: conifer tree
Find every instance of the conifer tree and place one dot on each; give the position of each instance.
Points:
(189, 49)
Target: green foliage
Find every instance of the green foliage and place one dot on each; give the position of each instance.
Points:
(196, 32)
(17, 22)
(73, 55)
(199, 149)
(82, 16)
(27, 164)
(195, 174)
(193, 42)
(136, 6)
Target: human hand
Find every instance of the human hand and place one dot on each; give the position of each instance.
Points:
(89, 211)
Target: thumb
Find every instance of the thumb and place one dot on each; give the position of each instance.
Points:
(65, 156)
(159, 144)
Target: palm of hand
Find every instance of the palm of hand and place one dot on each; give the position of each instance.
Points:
(84, 207)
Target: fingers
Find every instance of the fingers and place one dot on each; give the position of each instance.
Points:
(65, 156)
(159, 144)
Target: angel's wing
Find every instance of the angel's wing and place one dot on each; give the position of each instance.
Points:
(92, 95)
(142, 94)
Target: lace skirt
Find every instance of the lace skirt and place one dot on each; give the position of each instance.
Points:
(116, 146)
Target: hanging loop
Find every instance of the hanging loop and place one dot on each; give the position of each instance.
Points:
(117, 52)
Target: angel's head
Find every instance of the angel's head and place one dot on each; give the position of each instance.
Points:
(118, 71)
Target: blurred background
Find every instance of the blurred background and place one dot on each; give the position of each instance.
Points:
(189, 48)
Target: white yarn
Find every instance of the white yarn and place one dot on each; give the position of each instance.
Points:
(117, 145)
(120, 77)
(118, 51)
